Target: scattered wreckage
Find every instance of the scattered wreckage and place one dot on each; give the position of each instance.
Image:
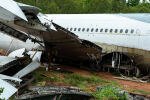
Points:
(15, 71)
(55, 93)
(58, 44)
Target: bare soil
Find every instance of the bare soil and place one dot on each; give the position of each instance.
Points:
(127, 85)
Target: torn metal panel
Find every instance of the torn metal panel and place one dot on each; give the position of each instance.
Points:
(5, 77)
(34, 24)
(28, 69)
(12, 31)
(9, 90)
(35, 55)
(65, 46)
(55, 93)
(17, 53)
(29, 8)
(9, 9)
(4, 60)
(14, 66)
(45, 21)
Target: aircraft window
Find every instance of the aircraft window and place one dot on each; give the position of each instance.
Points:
(126, 31)
(79, 29)
(132, 31)
(70, 29)
(92, 30)
(75, 29)
(101, 30)
(116, 30)
(67, 28)
(83, 29)
(106, 30)
(111, 30)
(96, 30)
(121, 30)
(87, 29)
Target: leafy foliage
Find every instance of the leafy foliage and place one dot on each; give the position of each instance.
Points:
(90, 6)
(109, 93)
(1, 91)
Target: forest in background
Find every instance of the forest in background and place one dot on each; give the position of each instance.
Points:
(89, 6)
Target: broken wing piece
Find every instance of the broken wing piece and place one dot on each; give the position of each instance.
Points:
(9, 10)
(35, 55)
(9, 90)
(65, 45)
(17, 53)
(5, 77)
(29, 8)
(44, 20)
(4, 60)
(28, 69)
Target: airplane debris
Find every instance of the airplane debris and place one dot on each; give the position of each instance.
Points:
(19, 64)
(5, 77)
(57, 92)
(10, 10)
(60, 70)
(9, 90)
(17, 53)
(133, 79)
(35, 55)
(146, 78)
(28, 69)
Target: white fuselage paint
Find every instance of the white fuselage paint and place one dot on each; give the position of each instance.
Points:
(139, 38)
(10, 43)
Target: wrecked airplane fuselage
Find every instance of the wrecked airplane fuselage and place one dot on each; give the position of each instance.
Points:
(62, 45)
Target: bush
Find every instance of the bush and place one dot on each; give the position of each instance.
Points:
(1, 91)
(109, 93)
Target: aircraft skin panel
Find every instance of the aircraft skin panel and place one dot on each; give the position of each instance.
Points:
(9, 90)
(13, 8)
(28, 69)
(107, 21)
(5, 77)
(144, 17)
(4, 60)
(12, 43)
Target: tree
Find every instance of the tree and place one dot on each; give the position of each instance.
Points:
(118, 5)
(99, 6)
(133, 2)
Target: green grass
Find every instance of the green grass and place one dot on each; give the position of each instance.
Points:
(81, 81)
(40, 76)
(71, 79)
(84, 79)
(141, 91)
(109, 92)
(1, 91)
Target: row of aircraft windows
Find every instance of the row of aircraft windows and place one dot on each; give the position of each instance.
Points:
(100, 30)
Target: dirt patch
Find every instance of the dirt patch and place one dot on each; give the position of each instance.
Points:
(127, 85)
